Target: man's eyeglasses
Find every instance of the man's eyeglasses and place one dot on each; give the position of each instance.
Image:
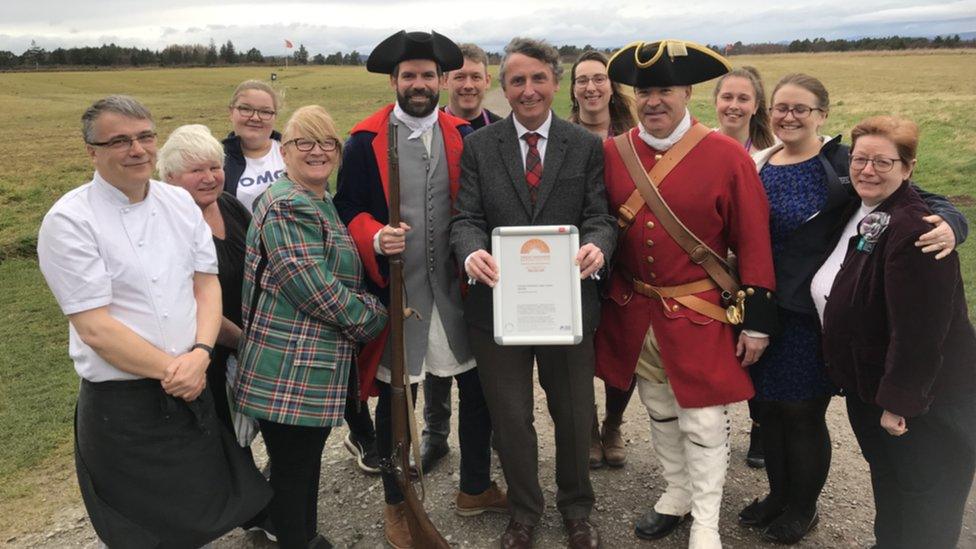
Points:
(880, 163)
(306, 145)
(123, 142)
(780, 110)
(597, 79)
(248, 112)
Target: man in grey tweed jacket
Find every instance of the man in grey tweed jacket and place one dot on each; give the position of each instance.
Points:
(534, 169)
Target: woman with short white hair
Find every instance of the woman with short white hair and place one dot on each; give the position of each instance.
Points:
(194, 160)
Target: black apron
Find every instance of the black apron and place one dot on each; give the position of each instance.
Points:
(158, 472)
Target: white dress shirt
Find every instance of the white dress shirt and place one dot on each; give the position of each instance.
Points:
(543, 132)
(96, 249)
(823, 281)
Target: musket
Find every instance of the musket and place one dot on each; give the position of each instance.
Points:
(422, 530)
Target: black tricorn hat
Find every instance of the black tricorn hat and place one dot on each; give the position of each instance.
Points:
(404, 46)
(665, 63)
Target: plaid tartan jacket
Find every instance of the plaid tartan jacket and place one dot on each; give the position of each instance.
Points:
(310, 311)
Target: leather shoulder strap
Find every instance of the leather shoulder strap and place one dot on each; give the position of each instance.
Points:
(646, 186)
(628, 210)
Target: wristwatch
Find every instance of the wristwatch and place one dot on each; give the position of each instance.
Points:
(205, 347)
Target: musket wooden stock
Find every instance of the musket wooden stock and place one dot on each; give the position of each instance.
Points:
(422, 530)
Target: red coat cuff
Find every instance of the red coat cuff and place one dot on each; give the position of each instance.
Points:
(362, 228)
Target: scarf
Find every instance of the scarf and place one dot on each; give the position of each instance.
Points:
(417, 125)
(665, 143)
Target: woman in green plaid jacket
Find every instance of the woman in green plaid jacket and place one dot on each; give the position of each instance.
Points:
(305, 309)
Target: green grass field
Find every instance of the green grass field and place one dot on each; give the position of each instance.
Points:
(43, 157)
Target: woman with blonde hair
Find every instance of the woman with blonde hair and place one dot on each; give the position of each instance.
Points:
(740, 106)
(305, 311)
(252, 150)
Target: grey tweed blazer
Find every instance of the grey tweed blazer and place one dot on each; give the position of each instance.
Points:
(494, 193)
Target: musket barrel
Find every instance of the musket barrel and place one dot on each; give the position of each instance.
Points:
(422, 530)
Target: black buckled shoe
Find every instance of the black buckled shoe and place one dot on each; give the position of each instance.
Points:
(760, 514)
(789, 529)
(654, 525)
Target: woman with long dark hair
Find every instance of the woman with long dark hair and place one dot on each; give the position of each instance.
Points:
(599, 106)
(597, 103)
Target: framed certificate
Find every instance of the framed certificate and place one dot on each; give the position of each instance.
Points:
(537, 297)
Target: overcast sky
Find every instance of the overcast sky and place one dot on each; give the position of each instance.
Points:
(330, 25)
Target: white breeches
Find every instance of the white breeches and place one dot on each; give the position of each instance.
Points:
(692, 445)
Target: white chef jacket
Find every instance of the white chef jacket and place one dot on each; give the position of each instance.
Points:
(96, 249)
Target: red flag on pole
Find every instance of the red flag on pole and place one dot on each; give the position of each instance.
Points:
(288, 44)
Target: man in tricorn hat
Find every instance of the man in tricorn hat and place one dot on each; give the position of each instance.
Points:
(429, 144)
(676, 313)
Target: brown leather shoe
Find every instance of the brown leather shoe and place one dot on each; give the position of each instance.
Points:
(517, 536)
(582, 534)
(492, 500)
(614, 451)
(596, 448)
(395, 526)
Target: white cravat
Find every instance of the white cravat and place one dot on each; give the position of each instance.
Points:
(665, 143)
(418, 125)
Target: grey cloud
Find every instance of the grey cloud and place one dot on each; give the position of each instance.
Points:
(613, 24)
(57, 11)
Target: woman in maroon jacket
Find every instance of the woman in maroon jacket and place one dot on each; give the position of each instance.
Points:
(898, 342)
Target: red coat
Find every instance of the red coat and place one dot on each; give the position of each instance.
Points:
(716, 192)
(362, 199)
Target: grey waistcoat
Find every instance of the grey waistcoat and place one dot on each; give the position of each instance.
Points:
(430, 273)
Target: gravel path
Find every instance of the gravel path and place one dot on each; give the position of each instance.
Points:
(350, 505)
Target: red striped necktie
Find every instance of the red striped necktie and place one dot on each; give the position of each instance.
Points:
(533, 163)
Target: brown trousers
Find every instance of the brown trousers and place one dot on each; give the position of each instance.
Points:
(566, 375)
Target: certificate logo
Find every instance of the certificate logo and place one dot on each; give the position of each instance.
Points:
(534, 255)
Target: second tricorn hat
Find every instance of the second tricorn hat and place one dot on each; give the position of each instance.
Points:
(404, 46)
(665, 63)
